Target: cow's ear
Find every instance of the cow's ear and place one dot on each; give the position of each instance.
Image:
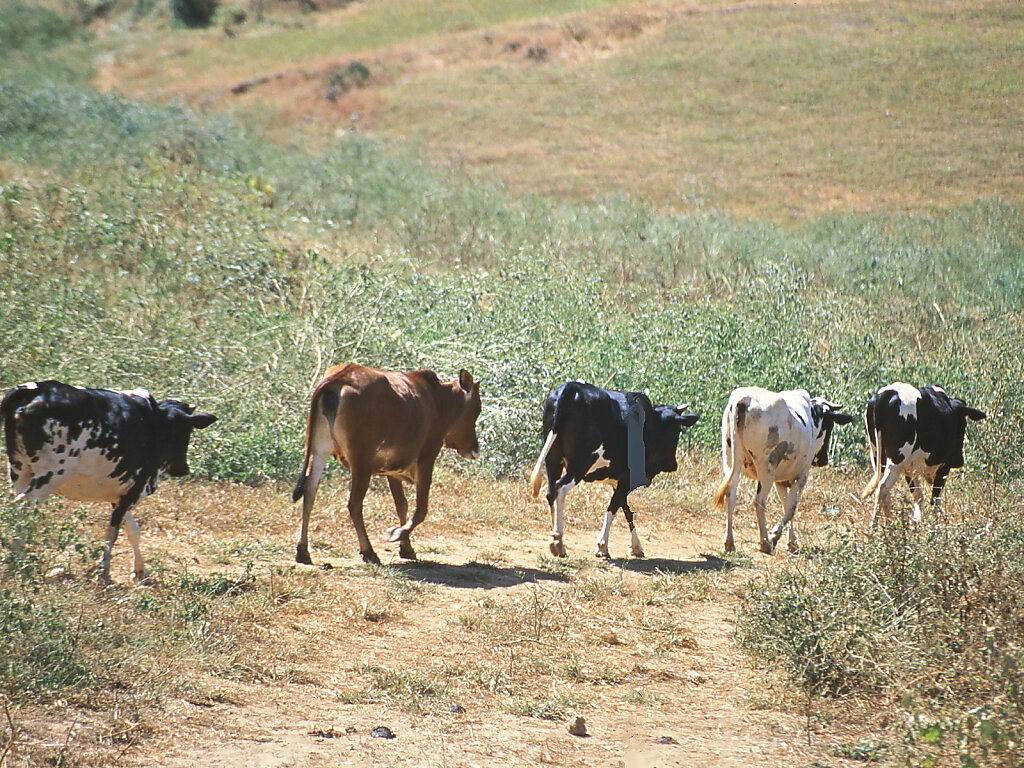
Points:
(686, 419)
(841, 418)
(973, 413)
(202, 420)
(466, 381)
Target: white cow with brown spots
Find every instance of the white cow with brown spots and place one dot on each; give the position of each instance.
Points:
(774, 438)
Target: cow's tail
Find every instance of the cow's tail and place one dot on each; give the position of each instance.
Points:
(559, 412)
(874, 448)
(300, 484)
(535, 479)
(316, 406)
(731, 458)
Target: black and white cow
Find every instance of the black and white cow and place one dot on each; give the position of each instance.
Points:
(602, 434)
(774, 438)
(96, 445)
(916, 432)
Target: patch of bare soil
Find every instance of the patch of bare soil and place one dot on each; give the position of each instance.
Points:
(479, 654)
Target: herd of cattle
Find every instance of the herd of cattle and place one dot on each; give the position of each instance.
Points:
(102, 445)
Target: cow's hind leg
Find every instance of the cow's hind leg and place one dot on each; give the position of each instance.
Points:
(883, 499)
(918, 495)
(556, 500)
(402, 534)
(729, 543)
(309, 488)
(601, 550)
(789, 495)
(402, 509)
(357, 492)
(760, 510)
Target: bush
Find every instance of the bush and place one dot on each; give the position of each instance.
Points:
(929, 618)
(194, 13)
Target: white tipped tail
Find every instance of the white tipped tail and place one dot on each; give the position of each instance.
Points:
(535, 479)
(875, 451)
(730, 451)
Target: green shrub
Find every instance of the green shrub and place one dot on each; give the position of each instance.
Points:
(194, 13)
(930, 618)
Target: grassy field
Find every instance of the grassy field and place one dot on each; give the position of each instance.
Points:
(143, 244)
(758, 109)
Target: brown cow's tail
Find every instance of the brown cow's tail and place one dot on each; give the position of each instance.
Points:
(325, 402)
(535, 479)
(300, 484)
(731, 423)
(874, 448)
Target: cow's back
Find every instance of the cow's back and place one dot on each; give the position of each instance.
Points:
(87, 445)
(384, 419)
(775, 428)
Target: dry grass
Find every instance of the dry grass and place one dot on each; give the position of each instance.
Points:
(755, 108)
(485, 622)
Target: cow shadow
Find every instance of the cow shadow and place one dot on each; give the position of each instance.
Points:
(473, 575)
(652, 565)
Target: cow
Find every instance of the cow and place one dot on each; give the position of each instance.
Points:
(594, 434)
(915, 432)
(96, 445)
(384, 423)
(773, 437)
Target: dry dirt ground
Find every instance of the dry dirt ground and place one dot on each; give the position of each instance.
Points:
(479, 654)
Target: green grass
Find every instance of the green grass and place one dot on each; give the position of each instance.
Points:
(154, 263)
(926, 620)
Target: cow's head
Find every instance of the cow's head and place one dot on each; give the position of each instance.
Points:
(661, 434)
(825, 415)
(179, 423)
(462, 434)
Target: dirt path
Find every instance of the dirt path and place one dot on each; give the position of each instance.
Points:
(480, 654)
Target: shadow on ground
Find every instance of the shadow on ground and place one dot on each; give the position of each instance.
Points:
(474, 575)
(668, 565)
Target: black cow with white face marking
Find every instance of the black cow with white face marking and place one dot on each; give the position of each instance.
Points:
(96, 445)
(916, 432)
(596, 434)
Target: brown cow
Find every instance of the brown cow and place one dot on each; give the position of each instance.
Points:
(384, 423)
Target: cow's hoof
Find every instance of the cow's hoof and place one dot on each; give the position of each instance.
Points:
(141, 578)
(370, 557)
(637, 553)
(103, 580)
(302, 555)
(557, 549)
(729, 545)
(767, 547)
(602, 553)
(406, 551)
